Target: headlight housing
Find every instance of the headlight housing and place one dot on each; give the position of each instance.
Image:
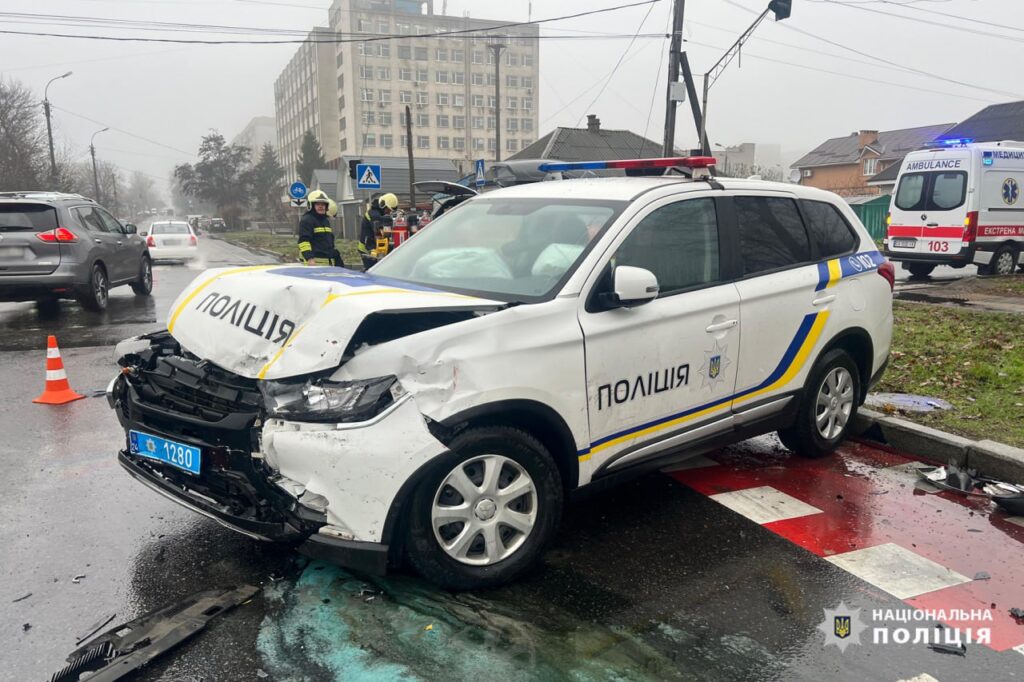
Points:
(321, 400)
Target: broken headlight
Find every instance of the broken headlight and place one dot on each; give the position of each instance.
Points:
(320, 400)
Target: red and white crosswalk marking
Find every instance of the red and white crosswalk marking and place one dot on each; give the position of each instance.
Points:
(859, 510)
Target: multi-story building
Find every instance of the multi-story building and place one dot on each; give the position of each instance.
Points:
(260, 130)
(306, 98)
(447, 81)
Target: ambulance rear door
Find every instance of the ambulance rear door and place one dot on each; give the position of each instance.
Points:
(929, 209)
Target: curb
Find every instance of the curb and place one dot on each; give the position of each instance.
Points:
(995, 460)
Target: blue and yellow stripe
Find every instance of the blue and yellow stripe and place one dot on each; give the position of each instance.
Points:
(793, 360)
(835, 269)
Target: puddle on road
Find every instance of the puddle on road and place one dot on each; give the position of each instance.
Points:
(402, 628)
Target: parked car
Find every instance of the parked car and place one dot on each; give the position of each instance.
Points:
(55, 245)
(218, 225)
(171, 240)
(538, 340)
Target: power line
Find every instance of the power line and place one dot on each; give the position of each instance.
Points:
(953, 27)
(846, 75)
(123, 132)
(90, 61)
(880, 59)
(230, 29)
(616, 68)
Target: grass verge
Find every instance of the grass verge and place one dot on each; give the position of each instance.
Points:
(974, 360)
(287, 245)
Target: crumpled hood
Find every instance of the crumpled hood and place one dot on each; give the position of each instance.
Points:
(277, 321)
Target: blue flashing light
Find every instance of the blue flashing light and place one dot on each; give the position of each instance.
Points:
(956, 141)
(576, 165)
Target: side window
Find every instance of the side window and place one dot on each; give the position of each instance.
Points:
(828, 229)
(771, 234)
(110, 221)
(90, 218)
(678, 243)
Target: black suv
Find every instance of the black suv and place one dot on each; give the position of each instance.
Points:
(55, 245)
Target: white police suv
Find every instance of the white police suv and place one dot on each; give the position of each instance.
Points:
(535, 341)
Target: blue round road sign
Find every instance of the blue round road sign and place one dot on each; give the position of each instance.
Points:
(297, 190)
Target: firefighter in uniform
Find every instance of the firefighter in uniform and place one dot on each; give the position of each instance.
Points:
(316, 238)
(377, 216)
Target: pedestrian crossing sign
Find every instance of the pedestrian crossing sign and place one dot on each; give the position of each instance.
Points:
(368, 176)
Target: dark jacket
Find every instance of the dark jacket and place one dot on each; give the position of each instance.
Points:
(316, 238)
(373, 218)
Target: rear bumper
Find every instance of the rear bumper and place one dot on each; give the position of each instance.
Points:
(977, 252)
(60, 282)
(173, 252)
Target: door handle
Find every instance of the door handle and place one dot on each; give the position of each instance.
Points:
(932, 225)
(119, 242)
(97, 240)
(721, 326)
(822, 300)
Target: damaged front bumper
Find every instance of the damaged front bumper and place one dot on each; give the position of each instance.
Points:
(334, 489)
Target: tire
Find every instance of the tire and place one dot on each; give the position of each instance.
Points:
(834, 370)
(143, 286)
(1004, 261)
(920, 270)
(467, 563)
(94, 295)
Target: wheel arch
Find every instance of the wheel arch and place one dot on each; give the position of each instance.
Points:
(857, 342)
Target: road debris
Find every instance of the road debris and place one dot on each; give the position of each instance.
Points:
(15, 601)
(129, 646)
(78, 578)
(1018, 615)
(982, 575)
(25, 627)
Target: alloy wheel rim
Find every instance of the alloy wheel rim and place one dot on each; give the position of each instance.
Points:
(834, 403)
(147, 274)
(484, 510)
(1005, 264)
(100, 285)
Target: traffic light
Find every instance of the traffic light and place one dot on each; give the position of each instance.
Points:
(352, 167)
(781, 8)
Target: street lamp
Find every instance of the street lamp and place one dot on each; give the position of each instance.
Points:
(49, 129)
(781, 9)
(95, 177)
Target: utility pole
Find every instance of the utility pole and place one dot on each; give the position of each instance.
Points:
(49, 128)
(675, 47)
(95, 175)
(496, 48)
(114, 208)
(408, 150)
(781, 9)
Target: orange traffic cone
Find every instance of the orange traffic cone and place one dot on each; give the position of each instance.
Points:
(57, 391)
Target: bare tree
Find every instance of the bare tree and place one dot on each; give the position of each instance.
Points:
(23, 153)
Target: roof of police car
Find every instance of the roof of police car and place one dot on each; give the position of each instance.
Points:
(628, 189)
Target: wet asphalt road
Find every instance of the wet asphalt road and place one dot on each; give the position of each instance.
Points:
(653, 580)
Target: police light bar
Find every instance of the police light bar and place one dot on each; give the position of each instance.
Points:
(957, 141)
(629, 164)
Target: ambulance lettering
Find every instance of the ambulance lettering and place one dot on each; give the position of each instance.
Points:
(238, 313)
(626, 390)
(934, 164)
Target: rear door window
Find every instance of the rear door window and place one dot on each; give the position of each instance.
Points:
(772, 234)
(931, 191)
(829, 230)
(27, 217)
(90, 218)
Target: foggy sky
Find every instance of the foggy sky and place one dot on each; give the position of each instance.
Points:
(174, 94)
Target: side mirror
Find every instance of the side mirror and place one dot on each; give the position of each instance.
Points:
(130, 229)
(143, 234)
(633, 286)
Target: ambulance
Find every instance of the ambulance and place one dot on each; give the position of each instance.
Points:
(959, 204)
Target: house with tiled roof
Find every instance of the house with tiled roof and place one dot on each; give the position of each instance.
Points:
(592, 143)
(845, 165)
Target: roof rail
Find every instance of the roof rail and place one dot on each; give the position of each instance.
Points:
(42, 194)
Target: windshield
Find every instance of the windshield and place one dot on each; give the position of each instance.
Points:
(170, 228)
(517, 249)
(932, 191)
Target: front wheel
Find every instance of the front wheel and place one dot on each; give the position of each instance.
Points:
(827, 407)
(143, 285)
(483, 514)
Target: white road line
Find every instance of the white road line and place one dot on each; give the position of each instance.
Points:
(764, 504)
(897, 570)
